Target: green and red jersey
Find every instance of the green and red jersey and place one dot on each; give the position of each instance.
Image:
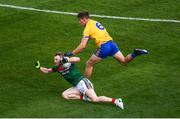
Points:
(71, 74)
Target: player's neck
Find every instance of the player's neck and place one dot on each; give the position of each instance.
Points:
(87, 21)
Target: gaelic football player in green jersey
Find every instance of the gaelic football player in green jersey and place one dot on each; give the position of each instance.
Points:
(81, 88)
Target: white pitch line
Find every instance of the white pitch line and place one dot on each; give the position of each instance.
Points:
(93, 15)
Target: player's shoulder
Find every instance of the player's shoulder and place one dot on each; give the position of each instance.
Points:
(92, 20)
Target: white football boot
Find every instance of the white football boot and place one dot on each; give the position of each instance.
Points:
(118, 102)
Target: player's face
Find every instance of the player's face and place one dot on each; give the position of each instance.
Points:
(57, 60)
(83, 21)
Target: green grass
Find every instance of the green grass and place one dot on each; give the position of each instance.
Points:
(149, 84)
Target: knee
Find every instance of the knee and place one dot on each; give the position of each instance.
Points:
(123, 61)
(65, 95)
(89, 63)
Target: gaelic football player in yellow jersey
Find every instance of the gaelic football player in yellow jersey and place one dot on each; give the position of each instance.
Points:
(106, 46)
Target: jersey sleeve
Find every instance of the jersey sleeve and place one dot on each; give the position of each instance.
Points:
(86, 32)
(54, 68)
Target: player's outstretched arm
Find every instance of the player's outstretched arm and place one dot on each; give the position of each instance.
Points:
(81, 46)
(43, 69)
(46, 70)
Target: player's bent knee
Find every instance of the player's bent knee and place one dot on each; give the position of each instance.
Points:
(65, 95)
(89, 64)
(123, 61)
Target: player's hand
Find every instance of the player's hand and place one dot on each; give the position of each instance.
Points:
(64, 60)
(37, 65)
(68, 54)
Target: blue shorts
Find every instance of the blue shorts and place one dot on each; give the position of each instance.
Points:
(107, 49)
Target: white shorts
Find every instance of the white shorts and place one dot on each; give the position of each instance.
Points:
(84, 85)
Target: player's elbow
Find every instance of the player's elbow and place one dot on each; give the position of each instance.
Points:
(74, 59)
(78, 59)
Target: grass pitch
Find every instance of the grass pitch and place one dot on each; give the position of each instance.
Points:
(149, 84)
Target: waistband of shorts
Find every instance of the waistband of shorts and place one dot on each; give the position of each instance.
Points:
(103, 43)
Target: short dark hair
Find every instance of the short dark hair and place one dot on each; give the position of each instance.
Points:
(83, 15)
(59, 54)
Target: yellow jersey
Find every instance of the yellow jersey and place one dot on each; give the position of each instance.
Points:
(96, 32)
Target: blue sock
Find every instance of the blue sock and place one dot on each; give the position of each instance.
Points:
(134, 55)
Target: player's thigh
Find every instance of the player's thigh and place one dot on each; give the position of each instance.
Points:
(92, 95)
(71, 90)
(93, 60)
(120, 57)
